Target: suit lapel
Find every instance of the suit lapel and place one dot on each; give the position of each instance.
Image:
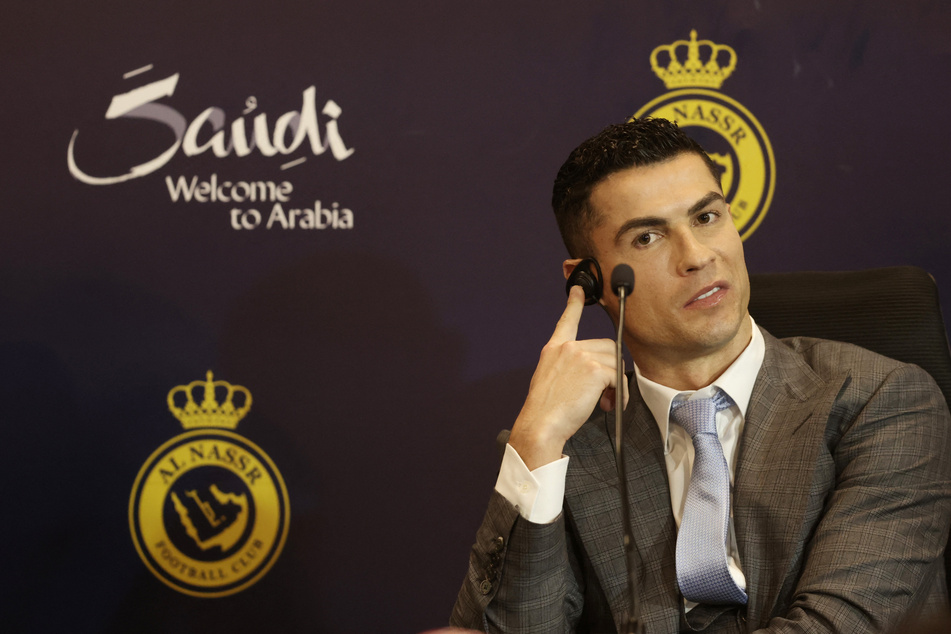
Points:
(593, 477)
(778, 459)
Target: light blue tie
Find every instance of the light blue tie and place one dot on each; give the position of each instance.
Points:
(702, 571)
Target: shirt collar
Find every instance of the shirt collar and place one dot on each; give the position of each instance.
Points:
(737, 381)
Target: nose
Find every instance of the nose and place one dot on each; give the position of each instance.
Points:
(692, 254)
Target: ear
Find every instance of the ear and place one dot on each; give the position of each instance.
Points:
(568, 266)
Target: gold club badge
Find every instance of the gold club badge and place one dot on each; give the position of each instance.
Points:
(209, 511)
(693, 71)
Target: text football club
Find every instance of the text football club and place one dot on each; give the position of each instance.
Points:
(209, 511)
(249, 203)
(729, 132)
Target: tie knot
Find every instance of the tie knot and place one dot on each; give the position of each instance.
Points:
(699, 416)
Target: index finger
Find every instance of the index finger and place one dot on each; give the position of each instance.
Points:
(567, 327)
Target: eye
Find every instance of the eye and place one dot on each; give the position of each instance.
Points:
(707, 217)
(646, 239)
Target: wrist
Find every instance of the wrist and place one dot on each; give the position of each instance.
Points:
(536, 447)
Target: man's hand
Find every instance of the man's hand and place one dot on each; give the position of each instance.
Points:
(570, 378)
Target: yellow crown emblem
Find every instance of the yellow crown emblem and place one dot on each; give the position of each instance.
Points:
(210, 413)
(693, 72)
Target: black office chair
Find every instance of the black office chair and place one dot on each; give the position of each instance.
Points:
(893, 311)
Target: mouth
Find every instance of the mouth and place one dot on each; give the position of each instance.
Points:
(709, 296)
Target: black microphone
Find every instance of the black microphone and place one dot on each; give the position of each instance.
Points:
(622, 283)
(622, 279)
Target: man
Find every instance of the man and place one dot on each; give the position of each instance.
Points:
(837, 497)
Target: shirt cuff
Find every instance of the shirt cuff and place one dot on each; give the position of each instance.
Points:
(537, 495)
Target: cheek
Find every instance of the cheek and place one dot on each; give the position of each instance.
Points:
(610, 305)
(650, 294)
(733, 246)
(644, 310)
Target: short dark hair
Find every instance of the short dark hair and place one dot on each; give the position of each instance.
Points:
(635, 143)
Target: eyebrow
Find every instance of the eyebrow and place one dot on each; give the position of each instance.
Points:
(646, 222)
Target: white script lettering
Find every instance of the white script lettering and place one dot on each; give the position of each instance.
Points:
(297, 126)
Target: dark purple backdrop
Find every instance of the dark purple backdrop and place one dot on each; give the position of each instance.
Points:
(383, 359)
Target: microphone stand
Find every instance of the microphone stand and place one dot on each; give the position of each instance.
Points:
(622, 281)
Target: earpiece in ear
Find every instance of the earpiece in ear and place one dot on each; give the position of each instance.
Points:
(587, 275)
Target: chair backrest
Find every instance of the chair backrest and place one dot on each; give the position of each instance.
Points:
(893, 311)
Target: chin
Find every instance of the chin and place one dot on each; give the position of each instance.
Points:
(720, 334)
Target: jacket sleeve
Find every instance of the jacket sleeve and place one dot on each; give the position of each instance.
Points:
(875, 555)
(520, 578)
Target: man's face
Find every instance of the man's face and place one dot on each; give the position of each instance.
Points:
(670, 223)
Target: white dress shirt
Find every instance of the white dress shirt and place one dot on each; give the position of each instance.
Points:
(539, 494)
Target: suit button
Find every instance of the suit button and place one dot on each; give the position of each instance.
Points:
(485, 587)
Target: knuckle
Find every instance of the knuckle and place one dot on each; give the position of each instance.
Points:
(549, 349)
(593, 366)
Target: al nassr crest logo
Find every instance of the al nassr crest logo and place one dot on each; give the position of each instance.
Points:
(209, 511)
(693, 71)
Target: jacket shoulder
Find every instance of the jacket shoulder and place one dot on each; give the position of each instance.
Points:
(864, 371)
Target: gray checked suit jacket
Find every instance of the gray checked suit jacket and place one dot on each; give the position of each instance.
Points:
(842, 503)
